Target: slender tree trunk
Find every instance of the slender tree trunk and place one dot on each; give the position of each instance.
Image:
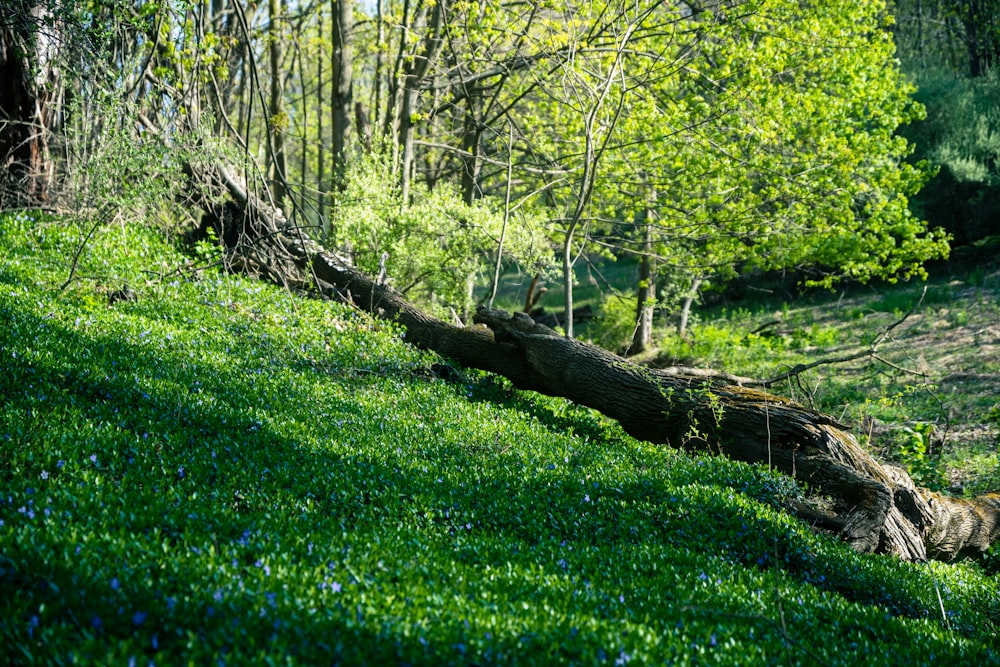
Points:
(646, 294)
(320, 136)
(380, 50)
(689, 298)
(471, 161)
(304, 139)
(342, 99)
(593, 151)
(414, 73)
(495, 283)
(568, 279)
(276, 115)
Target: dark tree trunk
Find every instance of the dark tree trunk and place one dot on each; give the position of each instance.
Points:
(29, 85)
(276, 114)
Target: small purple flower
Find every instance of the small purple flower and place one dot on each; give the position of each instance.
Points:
(621, 598)
(180, 472)
(93, 459)
(138, 617)
(115, 585)
(96, 622)
(336, 587)
(60, 463)
(45, 474)
(562, 563)
(218, 595)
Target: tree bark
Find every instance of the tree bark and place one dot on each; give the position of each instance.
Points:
(414, 72)
(29, 80)
(343, 80)
(277, 119)
(642, 337)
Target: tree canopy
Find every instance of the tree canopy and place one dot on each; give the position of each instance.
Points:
(708, 137)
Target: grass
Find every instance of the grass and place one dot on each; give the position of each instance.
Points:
(220, 472)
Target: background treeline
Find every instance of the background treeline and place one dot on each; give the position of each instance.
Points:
(950, 50)
(450, 141)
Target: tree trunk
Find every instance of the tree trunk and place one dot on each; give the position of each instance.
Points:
(414, 72)
(692, 294)
(276, 116)
(29, 80)
(875, 508)
(642, 338)
(320, 138)
(343, 80)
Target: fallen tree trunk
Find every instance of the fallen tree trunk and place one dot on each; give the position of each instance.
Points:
(876, 508)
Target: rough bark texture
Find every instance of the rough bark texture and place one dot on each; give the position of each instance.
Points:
(875, 508)
(28, 82)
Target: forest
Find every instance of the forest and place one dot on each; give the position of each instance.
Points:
(457, 332)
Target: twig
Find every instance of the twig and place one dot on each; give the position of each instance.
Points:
(870, 353)
(79, 251)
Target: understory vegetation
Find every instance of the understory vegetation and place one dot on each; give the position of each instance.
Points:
(201, 468)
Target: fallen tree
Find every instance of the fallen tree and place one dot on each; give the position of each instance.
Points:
(874, 507)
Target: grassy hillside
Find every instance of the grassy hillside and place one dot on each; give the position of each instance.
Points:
(219, 472)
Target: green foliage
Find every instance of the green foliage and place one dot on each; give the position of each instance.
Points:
(615, 322)
(961, 138)
(221, 471)
(436, 243)
(115, 175)
(917, 454)
(814, 177)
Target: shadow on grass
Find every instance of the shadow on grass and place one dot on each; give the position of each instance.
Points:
(197, 497)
